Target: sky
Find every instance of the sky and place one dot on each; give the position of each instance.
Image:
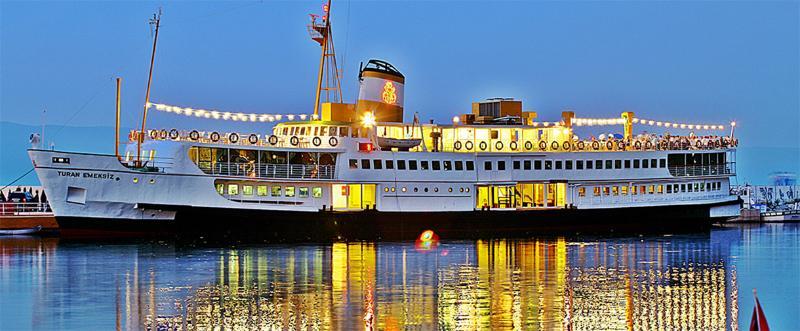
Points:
(707, 62)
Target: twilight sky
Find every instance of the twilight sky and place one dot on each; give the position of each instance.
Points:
(688, 61)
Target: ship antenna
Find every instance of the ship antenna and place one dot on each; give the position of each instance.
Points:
(155, 23)
(320, 32)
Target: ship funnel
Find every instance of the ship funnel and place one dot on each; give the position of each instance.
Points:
(380, 91)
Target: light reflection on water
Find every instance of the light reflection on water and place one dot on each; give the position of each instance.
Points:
(655, 282)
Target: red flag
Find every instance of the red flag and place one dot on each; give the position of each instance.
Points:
(758, 322)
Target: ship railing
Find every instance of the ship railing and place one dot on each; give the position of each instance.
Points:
(703, 170)
(24, 208)
(287, 171)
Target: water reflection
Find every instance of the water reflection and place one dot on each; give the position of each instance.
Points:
(665, 282)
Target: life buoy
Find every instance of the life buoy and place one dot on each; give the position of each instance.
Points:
(163, 134)
(542, 145)
(333, 141)
(554, 145)
(316, 141)
(620, 145)
(194, 135)
(294, 140)
(595, 145)
(648, 145)
(468, 145)
(273, 140)
(528, 145)
(581, 145)
(173, 134)
(153, 134)
(253, 139)
(457, 145)
(214, 136)
(566, 145)
(609, 145)
(233, 138)
(483, 145)
(637, 145)
(513, 145)
(498, 145)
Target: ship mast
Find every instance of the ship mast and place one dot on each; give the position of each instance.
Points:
(328, 81)
(155, 21)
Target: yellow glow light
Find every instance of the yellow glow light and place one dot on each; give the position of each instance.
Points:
(368, 120)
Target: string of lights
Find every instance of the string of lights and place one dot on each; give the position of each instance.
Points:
(228, 116)
(636, 120)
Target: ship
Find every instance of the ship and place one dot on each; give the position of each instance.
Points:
(351, 170)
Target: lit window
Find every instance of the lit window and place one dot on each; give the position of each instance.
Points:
(450, 190)
(403, 189)
(606, 190)
(220, 188)
(596, 191)
(316, 192)
(393, 188)
(262, 190)
(467, 189)
(247, 189)
(233, 189)
(290, 191)
(386, 189)
(276, 191)
(303, 192)
(660, 189)
(581, 192)
(624, 190)
(615, 190)
(651, 189)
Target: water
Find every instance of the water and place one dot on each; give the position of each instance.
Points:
(697, 281)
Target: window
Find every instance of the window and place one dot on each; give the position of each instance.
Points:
(470, 166)
(412, 164)
(290, 191)
(276, 191)
(501, 165)
(645, 164)
(615, 190)
(436, 165)
(221, 188)
(662, 163)
(262, 190)
(559, 165)
(526, 165)
(660, 189)
(598, 164)
(377, 164)
(606, 190)
(627, 164)
(516, 165)
(624, 190)
(581, 192)
(589, 164)
(401, 164)
(636, 164)
(617, 164)
(316, 192)
(353, 164)
(364, 164)
(643, 189)
(683, 187)
(303, 192)
(233, 189)
(633, 190)
(537, 164)
(568, 164)
(389, 164)
(487, 165)
(608, 164)
(654, 163)
(548, 165)
(669, 189)
(448, 165)
(708, 186)
(579, 164)
(651, 189)
(459, 165)
(596, 191)
(424, 165)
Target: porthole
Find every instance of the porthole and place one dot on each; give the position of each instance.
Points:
(450, 190)
(393, 188)
(152, 181)
(386, 189)
(416, 189)
(426, 189)
(467, 189)
(135, 180)
(403, 189)
(436, 189)
(461, 190)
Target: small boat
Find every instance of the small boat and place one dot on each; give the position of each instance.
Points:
(17, 232)
(401, 144)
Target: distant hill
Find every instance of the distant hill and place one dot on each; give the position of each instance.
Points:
(14, 142)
